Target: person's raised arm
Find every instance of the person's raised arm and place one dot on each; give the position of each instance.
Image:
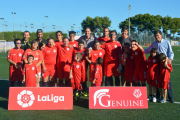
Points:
(148, 50)
(139, 46)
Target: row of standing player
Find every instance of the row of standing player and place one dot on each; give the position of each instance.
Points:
(108, 67)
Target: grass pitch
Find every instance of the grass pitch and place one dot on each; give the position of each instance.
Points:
(81, 110)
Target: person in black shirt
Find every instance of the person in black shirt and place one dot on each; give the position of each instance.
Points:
(42, 42)
(124, 39)
(25, 43)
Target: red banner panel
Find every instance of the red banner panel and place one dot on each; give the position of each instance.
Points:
(118, 98)
(40, 98)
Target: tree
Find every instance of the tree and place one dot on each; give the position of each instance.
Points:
(96, 24)
(174, 26)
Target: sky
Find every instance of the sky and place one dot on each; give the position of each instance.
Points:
(64, 13)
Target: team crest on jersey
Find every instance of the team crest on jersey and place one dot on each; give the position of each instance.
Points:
(136, 53)
(20, 54)
(100, 53)
(37, 53)
(54, 50)
(154, 60)
(77, 66)
(115, 46)
(74, 45)
(23, 56)
(67, 49)
(33, 68)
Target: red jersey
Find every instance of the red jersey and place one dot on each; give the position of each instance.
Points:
(130, 64)
(49, 54)
(93, 56)
(103, 39)
(164, 75)
(153, 68)
(112, 51)
(78, 72)
(37, 55)
(64, 55)
(74, 44)
(98, 73)
(58, 43)
(30, 72)
(16, 56)
(140, 59)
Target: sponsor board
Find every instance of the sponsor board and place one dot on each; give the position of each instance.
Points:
(41, 98)
(118, 98)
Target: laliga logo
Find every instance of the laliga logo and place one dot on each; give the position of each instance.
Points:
(137, 93)
(25, 98)
(99, 94)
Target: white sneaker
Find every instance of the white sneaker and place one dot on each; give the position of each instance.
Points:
(154, 99)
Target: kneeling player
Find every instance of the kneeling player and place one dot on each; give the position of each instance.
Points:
(163, 81)
(15, 60)
(49, 63)
(77, 75)
(129, 65)
(30, 72)
(140, 63)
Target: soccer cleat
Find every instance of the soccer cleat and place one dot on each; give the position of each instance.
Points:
(154, 99)
(163, 101)
(74, 98)
(77, 95)
(85, 94)
(149, 98)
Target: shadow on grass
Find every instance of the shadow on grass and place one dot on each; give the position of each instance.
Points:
(4, 88)
(4, 104)
(84, 103)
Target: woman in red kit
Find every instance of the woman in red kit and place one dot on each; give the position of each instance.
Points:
(38, 58)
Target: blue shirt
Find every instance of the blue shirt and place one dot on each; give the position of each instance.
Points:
(163, 47)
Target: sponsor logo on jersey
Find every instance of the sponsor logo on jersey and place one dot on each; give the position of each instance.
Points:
(20, 54)
(100, 53)
(77, 66)
(33, 68)
(154, 60)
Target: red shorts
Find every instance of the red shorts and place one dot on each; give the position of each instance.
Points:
(13, 78)
(164, 85)
(152, 82)
(51, 72)
(129, 79)
(111, 69)
(63, 71)
(76, 86)
(140, 75)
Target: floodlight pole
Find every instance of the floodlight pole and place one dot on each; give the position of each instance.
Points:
(13, 19)
(2, 23)
(46, 23)
(129, 8)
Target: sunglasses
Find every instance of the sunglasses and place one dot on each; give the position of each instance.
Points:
(113, 34)
(18, 43)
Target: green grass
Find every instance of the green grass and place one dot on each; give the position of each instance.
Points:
(80, 109)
